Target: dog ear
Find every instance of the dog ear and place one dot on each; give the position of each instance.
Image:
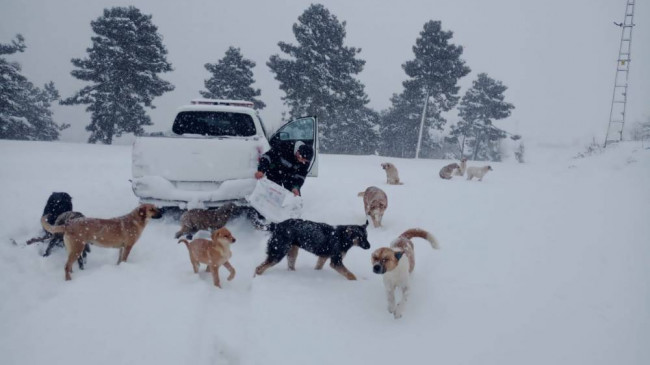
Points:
(365, 225)
(398, 255)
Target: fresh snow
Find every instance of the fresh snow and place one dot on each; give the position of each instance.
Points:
(546, 262)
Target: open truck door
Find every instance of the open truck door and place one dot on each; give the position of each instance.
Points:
(305, 130)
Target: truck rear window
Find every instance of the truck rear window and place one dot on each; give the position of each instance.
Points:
(212, 123)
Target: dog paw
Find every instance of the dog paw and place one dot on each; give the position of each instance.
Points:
(397, 315)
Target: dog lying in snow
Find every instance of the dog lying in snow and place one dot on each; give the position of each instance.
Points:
(212, 253)
(375, 203)
(323, 240)
(392, 176)
(396, 268)
(448, 171)
(478, 172)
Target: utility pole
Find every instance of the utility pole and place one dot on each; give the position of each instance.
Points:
(424, 114)
(619, 96)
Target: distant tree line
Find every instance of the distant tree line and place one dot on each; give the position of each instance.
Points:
(318, 75)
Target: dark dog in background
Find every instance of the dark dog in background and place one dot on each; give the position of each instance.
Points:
(323, 240)
(58, 210)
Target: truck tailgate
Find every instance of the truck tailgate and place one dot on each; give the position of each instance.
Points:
(197, 159)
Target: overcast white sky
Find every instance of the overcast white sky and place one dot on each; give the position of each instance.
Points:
(557, 57)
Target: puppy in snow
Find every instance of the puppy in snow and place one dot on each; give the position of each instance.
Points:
(392, 176)
(478, 172)
(212, 253)
(375, 203)
(462, 168)
(195, 220)
(396, 264)
(448, 171)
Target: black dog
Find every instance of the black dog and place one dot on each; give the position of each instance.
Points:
(321, 239)
(58, 211)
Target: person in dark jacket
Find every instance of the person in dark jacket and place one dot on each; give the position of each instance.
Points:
(287, 167)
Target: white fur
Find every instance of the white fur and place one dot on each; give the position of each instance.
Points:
(394, 279)
(477, 172)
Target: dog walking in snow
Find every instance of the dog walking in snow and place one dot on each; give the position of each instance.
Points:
(396, 264)
(213, 253)
(477, 172)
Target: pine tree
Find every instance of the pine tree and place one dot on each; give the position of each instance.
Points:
(122, 66)
(318, 79)
(482, 104)
(433, 77)
(24, 108)
(232, 78)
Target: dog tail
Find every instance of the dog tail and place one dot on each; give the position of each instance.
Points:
(186, 242)
(421, 233)
(50, 228)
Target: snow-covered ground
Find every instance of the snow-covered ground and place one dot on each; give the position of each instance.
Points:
(546, 262)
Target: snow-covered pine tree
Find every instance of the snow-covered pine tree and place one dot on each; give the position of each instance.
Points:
(433, 76)
(232, 78)
(318, 79)
(482, 104)
(122, 68)
(24, 108)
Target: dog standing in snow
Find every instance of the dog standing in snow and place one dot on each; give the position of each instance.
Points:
(375, 203)
(396, 264)
(462, 168)
(214, 253)
(478, 172)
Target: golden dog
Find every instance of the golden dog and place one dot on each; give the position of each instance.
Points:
(375, 203)
(212, 253)
(392, 176)
(121, 232)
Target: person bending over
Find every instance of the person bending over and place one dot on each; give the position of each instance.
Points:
(287, 167)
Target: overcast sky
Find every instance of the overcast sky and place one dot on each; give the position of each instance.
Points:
(557, 57)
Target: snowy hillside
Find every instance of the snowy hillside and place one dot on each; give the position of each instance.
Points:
(540, 263)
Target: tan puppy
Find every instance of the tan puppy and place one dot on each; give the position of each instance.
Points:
(121, 232)
(392, 176)
(462, 168)
(195, 220)
(212, 253)
(448, 171)
(396, 268)
(375, 203)
(477, 172)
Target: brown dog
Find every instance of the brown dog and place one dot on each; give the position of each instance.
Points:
(195, 220)
(448, 171)
(375, 203)
(396, 269)
(392, 176)
(212, 253)
(121, 232)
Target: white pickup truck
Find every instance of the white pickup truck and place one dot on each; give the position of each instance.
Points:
(210, 156)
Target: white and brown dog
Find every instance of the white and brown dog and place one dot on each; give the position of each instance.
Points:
(478, 172)
(375, 203)
(396, 268)
(392, 176)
